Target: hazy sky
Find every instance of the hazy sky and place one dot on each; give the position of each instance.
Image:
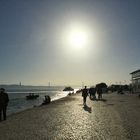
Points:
(34, 48)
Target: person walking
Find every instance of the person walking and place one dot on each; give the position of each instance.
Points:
(84, 94)
(4, 99)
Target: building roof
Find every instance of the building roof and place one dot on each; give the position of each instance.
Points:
(135, 71)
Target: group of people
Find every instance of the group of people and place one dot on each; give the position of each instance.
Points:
(4, 99)
(47, 100)
(92, 93)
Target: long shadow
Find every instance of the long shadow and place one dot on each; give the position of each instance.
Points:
(103, 100)
(96, 99)
(87, 108)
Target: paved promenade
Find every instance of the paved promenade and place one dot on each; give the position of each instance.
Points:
(117, 117)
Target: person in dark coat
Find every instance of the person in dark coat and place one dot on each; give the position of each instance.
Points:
(4, 99)
(84, 94)
(92, 92)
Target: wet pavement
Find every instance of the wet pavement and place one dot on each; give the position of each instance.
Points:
(116, 117)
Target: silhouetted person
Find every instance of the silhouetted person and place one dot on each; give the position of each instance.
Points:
(47, 100)
(92, 92)
(84, 94)
(99, 92)
(4, 99)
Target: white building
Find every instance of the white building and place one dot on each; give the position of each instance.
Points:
(135, 81)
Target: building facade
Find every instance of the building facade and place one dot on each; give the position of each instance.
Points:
(135, 81)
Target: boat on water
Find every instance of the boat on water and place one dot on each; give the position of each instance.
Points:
(31, 96)
(68, 89)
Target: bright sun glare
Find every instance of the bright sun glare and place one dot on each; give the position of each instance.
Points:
(77, 37)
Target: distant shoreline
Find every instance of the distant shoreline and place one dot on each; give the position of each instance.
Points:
(36, 106)
(28, 109)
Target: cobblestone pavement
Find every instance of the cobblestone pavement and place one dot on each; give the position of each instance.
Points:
(117, 117)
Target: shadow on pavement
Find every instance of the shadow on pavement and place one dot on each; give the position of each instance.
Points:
(110, 104)
(103, 100)
(87, 108)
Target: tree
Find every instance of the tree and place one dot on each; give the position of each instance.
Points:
(101, 85)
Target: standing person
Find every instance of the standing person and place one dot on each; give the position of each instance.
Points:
(92, 92)
(4, 99)
(99, 92)
(84, 94)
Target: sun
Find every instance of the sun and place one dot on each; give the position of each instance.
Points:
(77, 37)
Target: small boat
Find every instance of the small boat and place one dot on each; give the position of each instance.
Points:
(68, 89)
(31, 96)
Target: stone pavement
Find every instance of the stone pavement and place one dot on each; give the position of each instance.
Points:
(117, 117)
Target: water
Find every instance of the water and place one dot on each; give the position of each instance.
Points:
(17, 96)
